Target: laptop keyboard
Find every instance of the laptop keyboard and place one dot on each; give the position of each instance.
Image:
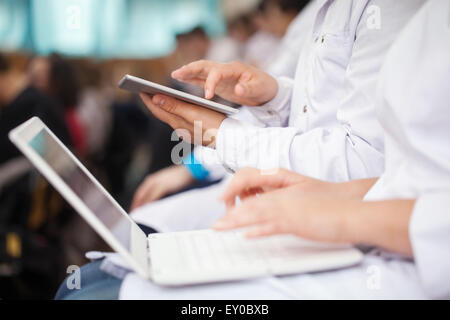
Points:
(206, 255)
(223, 250)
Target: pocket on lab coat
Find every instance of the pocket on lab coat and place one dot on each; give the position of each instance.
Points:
(334, 49)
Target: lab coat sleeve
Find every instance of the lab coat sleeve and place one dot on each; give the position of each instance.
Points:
(275, 113)
(208, 157)
(323, 153)
(430, 238)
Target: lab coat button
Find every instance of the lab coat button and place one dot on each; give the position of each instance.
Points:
(305, 109)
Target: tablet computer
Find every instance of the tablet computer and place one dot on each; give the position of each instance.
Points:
(138, 85)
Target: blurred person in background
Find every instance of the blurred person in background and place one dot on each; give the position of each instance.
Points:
(190, 46)
(56, 76)
(94, 107)
(21, 99)
(231, 46)
(272, 20)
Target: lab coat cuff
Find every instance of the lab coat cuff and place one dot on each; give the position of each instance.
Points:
(240, 144)
(226, 144)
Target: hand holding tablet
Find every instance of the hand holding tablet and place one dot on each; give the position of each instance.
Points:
(138, 85)
(183, 112)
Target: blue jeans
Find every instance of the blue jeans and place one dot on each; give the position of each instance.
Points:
(95, 285)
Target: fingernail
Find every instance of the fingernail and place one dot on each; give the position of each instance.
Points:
(158, 100)
(208, 93)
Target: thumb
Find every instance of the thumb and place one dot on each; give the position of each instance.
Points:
(241, 90)
(244, 86)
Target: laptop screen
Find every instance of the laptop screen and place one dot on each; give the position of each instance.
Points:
(83, 186)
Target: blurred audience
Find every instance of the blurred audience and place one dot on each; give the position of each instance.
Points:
(20, 99)
(56, 76)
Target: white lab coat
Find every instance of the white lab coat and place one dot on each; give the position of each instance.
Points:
(414, 114)
(327, 113)
(283, 63)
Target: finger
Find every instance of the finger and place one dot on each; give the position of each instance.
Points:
(249, 193)
(176, 107)
(137, 201)
(154, 194)
(196, 69)
(151, 194)
(251, 178)
(242, 216)
(264, 230)
(230, 203)
(157, 111)
(187, 114)
(160, 109)
(213, 79)
(141, 192)
(243, 87)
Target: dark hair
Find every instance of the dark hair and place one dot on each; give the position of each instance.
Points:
(4, 63)
(286, 5)
(63, 80)
(198, 31)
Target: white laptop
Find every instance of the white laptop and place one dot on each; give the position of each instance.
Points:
(178, 258)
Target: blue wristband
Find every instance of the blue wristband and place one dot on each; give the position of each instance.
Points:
(195, 168)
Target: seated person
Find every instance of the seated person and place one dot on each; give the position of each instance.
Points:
(403, 215)
(19, 101)
(322, 123)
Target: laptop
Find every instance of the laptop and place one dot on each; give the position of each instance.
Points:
(178, 258)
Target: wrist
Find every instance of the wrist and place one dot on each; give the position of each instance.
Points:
(351, 222)
(355, 189)
(185, 175)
